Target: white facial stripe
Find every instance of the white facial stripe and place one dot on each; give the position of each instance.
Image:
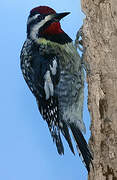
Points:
(32, 18)
(36, 27)
(47, 18)
(34, 31)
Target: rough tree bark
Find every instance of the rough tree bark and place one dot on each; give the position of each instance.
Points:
(100, 41)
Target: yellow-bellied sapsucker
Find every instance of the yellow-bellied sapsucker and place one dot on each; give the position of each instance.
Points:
(53, 71)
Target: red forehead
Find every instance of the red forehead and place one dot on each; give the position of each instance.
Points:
(43, 10)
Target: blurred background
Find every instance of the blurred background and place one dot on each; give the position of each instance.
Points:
(26, 148)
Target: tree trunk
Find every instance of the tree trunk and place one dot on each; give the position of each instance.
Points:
(100, 41)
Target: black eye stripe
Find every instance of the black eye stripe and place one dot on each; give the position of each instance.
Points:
(35, 19)
(41, 17)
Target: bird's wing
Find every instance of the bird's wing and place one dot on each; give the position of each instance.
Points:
(49, 105)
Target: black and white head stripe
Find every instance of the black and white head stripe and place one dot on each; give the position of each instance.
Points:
(38, 23)
(32, 18)
(35, 23)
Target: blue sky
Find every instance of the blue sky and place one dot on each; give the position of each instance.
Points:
(26, 148)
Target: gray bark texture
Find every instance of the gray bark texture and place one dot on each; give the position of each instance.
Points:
(100, 41)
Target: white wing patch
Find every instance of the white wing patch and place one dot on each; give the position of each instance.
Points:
(48, 86)
(53, 67)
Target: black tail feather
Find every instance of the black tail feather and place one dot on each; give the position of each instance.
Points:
(84, 151)
(65, 132)
(58, 142)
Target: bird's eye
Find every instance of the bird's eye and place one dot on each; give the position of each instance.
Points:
(40, 17)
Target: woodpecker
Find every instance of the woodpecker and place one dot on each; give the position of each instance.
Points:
(53, 71)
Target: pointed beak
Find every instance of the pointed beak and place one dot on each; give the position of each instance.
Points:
(59, 16)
